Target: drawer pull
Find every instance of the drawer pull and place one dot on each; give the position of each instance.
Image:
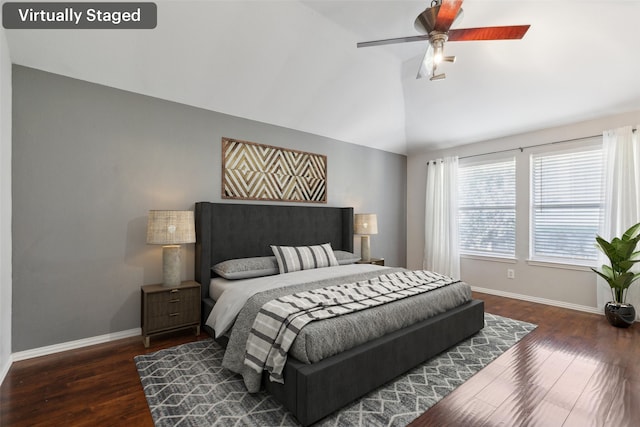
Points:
(174, 300)
(174, 314)
(175, 291)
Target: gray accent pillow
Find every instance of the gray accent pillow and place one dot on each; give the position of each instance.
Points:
(296, 258)
(345, 257)
(246, 268)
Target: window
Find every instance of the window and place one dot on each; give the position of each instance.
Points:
(487, 208)
(566, 205)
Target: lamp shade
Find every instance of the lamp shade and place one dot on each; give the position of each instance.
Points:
(366, 224)
(170, 227)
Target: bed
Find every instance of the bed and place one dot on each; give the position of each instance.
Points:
(312, 391)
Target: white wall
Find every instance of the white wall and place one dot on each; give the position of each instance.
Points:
(5, 207)
(568, 287)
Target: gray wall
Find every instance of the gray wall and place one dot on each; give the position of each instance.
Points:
(90, 161)
(5, 206)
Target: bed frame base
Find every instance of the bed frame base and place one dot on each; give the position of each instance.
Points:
(313, 391)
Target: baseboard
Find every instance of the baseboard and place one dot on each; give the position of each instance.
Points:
(4, 370)
(71, 345)
(545, 301)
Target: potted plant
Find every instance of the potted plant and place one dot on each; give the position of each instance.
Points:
(622, 257)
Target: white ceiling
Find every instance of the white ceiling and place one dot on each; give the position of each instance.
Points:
(295, 64)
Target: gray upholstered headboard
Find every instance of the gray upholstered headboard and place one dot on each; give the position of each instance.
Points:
(227, 231)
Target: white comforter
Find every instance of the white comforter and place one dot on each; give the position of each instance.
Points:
(238, 292)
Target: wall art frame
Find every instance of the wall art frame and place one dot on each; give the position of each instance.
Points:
(252, 171)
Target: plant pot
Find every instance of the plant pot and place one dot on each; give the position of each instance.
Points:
(620, 315)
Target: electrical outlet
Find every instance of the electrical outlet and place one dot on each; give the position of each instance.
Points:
(511, 273)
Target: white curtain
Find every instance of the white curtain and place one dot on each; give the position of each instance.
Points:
(621, 196)
(441, 252)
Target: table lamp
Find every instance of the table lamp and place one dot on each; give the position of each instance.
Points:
(170, 229)
(365, 225)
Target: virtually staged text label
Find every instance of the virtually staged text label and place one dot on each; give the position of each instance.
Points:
(79, 15)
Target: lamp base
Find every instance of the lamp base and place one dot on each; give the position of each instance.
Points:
(171, 266)
(365, 250)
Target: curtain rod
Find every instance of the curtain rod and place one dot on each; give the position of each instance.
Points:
(531, 146)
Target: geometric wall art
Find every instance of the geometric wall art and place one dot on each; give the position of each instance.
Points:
(253, 171)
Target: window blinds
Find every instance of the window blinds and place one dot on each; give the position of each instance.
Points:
(487, 208)
(566, 204)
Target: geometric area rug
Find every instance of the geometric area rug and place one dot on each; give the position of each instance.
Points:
(187, 386)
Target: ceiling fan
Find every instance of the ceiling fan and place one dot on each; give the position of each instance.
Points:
(435, 23)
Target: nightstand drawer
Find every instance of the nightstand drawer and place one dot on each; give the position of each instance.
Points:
(170, 321)
(173, 301)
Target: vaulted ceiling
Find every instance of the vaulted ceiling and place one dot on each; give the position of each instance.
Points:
(295, 64)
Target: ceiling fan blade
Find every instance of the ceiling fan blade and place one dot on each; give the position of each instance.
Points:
(426, 66)
(488, 33)
(395, 40)
(446, 15)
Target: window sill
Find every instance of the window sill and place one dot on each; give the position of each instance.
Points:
(556, 264)
(508, 260)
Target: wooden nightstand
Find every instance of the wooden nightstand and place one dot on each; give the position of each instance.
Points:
(376, 261)
(165, 309)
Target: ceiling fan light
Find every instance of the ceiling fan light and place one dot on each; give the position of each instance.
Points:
(438, 51)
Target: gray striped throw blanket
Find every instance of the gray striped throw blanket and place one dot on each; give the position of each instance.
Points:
(280, 320)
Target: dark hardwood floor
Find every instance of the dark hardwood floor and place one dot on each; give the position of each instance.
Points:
(573, 370)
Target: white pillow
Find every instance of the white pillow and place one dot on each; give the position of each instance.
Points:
(295, 258)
